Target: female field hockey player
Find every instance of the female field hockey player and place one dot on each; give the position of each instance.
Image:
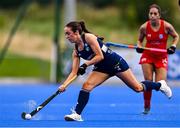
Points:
(156, 32)
(106, 64)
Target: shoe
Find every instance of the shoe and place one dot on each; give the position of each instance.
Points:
(165, 88)
(146, 111)
(73, 117)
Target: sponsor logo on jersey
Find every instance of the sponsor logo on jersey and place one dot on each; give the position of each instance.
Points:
(148, 35)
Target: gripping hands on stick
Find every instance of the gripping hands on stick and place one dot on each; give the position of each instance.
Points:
(81, 71)
(63, 87)
(170, 50)
(139, 50)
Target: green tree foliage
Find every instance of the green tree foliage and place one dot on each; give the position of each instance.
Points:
(10, 3)
(136, 11)
(99, 3)
(6, 4)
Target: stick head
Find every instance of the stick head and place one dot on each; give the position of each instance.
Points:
(25, 116)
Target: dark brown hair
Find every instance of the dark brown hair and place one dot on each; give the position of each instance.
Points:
(80, 27)
(77, 26)
(155, 6)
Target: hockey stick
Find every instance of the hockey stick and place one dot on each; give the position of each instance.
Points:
(133, 47)
(28, 116)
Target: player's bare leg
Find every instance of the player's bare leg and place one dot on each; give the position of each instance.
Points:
(148, 70)
(94, 79)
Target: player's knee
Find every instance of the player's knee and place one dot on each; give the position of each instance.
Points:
(88, 86)
(138, 89)
(148, 78)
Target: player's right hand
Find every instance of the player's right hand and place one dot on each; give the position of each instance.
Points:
(139, 50)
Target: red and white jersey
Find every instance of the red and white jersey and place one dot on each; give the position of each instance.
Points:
(156, 39)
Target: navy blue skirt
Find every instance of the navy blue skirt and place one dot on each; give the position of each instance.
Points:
(111, 64)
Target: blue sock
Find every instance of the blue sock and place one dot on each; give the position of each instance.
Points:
(149, 85)
(82, 101)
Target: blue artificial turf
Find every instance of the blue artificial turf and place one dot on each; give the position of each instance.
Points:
(109, 106)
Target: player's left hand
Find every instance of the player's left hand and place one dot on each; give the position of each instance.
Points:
(62, 88)
(82, 69)
(171, 50)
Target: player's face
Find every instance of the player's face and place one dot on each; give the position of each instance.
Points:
(154, 14)
(70, 35)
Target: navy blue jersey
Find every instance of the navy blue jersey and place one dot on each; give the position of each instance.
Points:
(87, 53)
(112, 62)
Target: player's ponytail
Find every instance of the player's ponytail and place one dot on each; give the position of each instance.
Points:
(84, 29)
(80, 27)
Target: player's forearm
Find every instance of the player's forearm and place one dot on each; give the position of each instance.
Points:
(175, 40)
(139, 43)
(94, 60)
(71, 75)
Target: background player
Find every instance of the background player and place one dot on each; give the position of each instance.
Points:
(156, 32)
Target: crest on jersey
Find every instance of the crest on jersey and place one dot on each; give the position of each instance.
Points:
(87, 47)
(160, 36)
